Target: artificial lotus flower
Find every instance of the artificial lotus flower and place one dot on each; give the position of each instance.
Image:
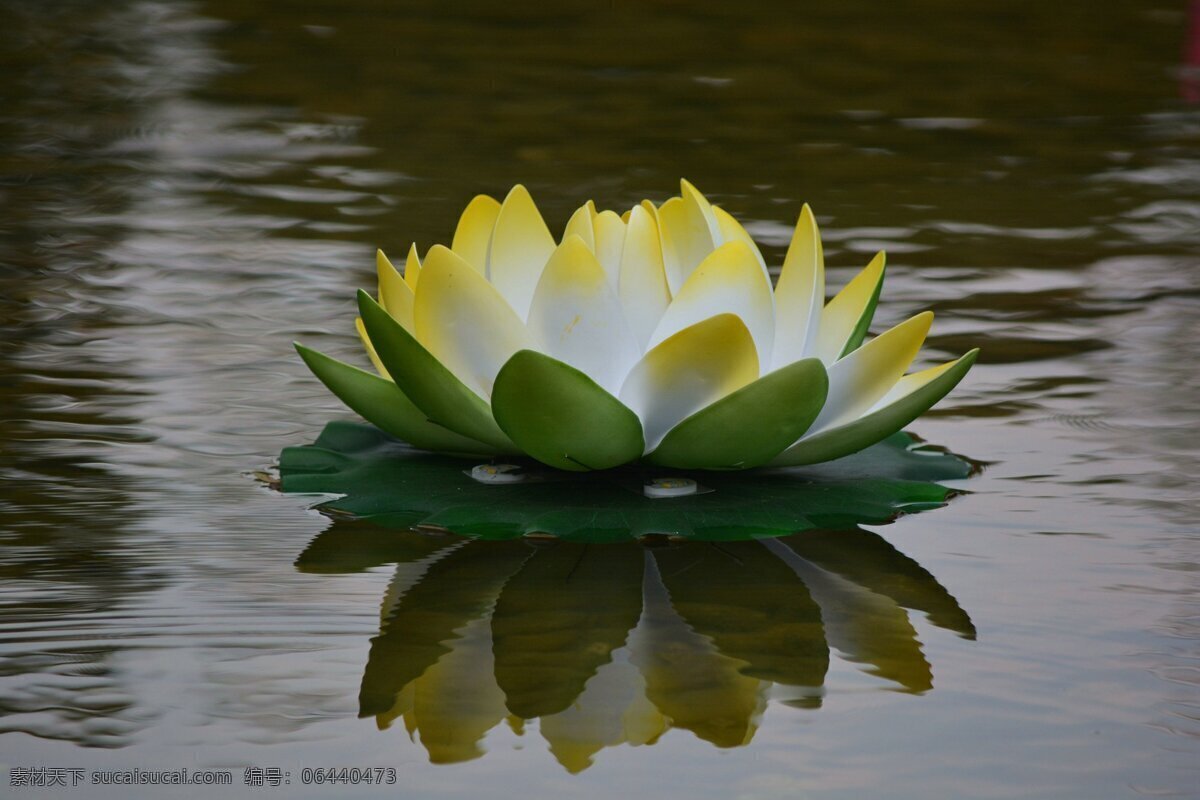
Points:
(655, 335)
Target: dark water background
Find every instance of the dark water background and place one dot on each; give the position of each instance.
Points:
(186, 188)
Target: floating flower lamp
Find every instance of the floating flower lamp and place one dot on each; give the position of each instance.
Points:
(655, 335)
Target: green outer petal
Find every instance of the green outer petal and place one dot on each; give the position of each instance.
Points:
(751, 426)
(563, 418)
(426, 381)
(878, 425)
(383, 403)
(864, 321)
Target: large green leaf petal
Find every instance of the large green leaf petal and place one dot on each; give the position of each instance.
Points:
(751, 426)
(396, 486)
(383, 403)
(877, 425)
(563, 418)
(426, 381)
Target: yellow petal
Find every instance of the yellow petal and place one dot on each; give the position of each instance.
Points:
(464, 322)
(412, 267)
(366, 340)
(576, 316)
(689, 370)
(698, 202)
(395, 295)
(473, 235)
(861, 379)
(800, 294)
(911, 383)
(729, 280)
(610, 240)
(521, 243)
(842, 314)
(643, 284)
(580, 224)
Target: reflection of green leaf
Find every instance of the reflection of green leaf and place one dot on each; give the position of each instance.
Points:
(751, 605)
(690, 681)
(868, 628)
(395, 486)
(456, 589)
(473, 629)
(456, 701)
(354, 547)
(559, 619)
(868, 560)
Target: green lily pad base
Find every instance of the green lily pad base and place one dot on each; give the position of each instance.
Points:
(381, 479)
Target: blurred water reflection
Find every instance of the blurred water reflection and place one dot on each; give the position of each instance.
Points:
(188, 186)
(617, 644)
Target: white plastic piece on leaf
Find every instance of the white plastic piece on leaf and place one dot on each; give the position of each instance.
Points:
(497, 473)
(670, 487)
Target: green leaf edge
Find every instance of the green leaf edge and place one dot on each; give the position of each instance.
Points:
(385, 405)
(866, 431)
(718, 436)
(432, 387)
(563, 418)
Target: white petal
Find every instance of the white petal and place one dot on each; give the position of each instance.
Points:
(695, 199)
(732, 230)
(690, 370)
(577, 318)
(729, 280)
(464, 321)
(643, 285)
(911, 383)
(610, 240)
(687, 237)
(580, 224)
(861, 379)
(521, 243)
(799, 294)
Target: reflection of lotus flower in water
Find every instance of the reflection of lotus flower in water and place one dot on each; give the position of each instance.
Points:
(617, 644)
(657, 334)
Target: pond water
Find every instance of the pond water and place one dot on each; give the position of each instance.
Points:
(189, 187)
